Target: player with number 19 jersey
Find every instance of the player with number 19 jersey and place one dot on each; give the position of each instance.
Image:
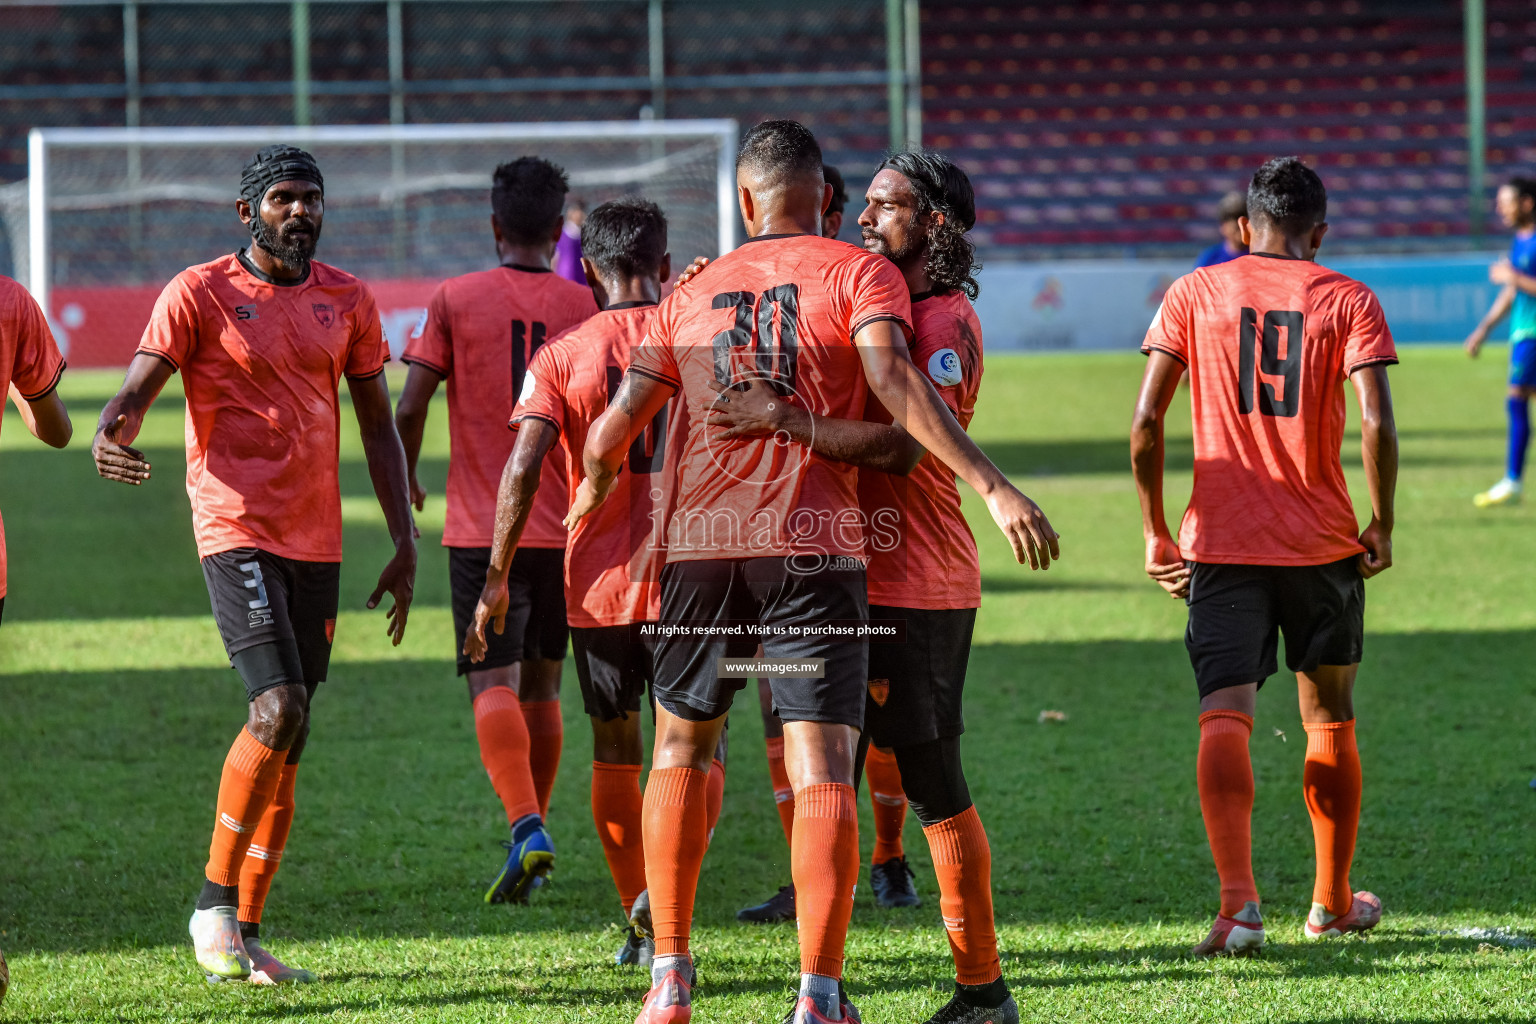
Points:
(1278, 337)
(785, 307)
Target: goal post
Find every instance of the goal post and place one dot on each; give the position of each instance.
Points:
(113, 213)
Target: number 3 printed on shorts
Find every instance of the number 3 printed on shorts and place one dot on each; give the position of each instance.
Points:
(1250, 339)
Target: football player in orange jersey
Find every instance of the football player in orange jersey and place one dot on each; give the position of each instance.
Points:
(771, 533)
(262, 337)
(1269, 544)
(481, 332)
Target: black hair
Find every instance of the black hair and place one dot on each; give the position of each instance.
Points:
(1288, 194)
(832, 176)
(527, 197)
(1525, 188)
(1232, 206)
(942, 187)
(625, 237)
(779, 151)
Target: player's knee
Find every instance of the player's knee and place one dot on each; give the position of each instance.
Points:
(618, 741)
(280, 716)
(934, 780)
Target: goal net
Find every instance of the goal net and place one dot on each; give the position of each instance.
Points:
(112, 214)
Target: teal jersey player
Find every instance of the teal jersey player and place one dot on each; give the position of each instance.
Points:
(1516, 277)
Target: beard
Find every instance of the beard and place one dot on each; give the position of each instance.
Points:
(880, 244)
(280, 243)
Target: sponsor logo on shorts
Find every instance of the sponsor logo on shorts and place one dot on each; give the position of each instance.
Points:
(330, 631)
(879, 691)
(325, 314)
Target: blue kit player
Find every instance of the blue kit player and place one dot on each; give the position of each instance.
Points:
(1517, 277)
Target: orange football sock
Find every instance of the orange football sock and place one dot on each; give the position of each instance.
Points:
(783, 792)
(962, 859)
(265, 853)
(1331, 781)
(824, 860)
(546, 735)
(888, 802)
(715, 794)
(1225, 777)
(676, 828)
(251, 771)
(504, 751)
(616, 809)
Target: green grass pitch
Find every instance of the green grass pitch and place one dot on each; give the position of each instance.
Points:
(116, 708)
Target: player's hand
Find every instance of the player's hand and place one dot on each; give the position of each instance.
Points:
(691, 271)
(758, 411)
(418, 495)
(1474, 342)
(115, 460)
(399, 579)
(1167, 566)
(1501, 273)
(492, 608)
(1025, 526)
(588, 498)
(1377, 541)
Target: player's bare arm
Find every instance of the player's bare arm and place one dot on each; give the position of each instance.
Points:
(514, 500)
(411, 422)
(386, 467)
(1504, 273)
(756, 410)
(901, 388)
(1159, 384)
(1378, 450)
(46, 419)
(637, 401)
(124, 416)
(1498, 311)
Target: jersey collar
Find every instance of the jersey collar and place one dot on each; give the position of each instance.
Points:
(260, 275)
(1278, 256)
(636, 304)
(786, 234)
(528, 270)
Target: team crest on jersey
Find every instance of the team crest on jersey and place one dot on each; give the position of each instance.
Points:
(325, 313)
(944, 368)
(879, 691)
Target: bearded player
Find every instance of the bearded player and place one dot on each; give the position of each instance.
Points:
(770, 533)
(480, 333)
(923, 572)
(613, 559)
(889, 875)
(1270, 545)
(262, 337)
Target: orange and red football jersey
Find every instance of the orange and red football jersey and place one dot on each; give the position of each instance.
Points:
(29, 358)
(1269, 343)
(784, 307)
(260, 361)
(481, 332)
(922, 553)
(614, 557)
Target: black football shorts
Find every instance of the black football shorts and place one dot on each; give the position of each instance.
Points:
(262, 598)
(614, 669)
(543, 569)
(1237, 612)
(754, 592)
(535, 605)
(915, 688)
